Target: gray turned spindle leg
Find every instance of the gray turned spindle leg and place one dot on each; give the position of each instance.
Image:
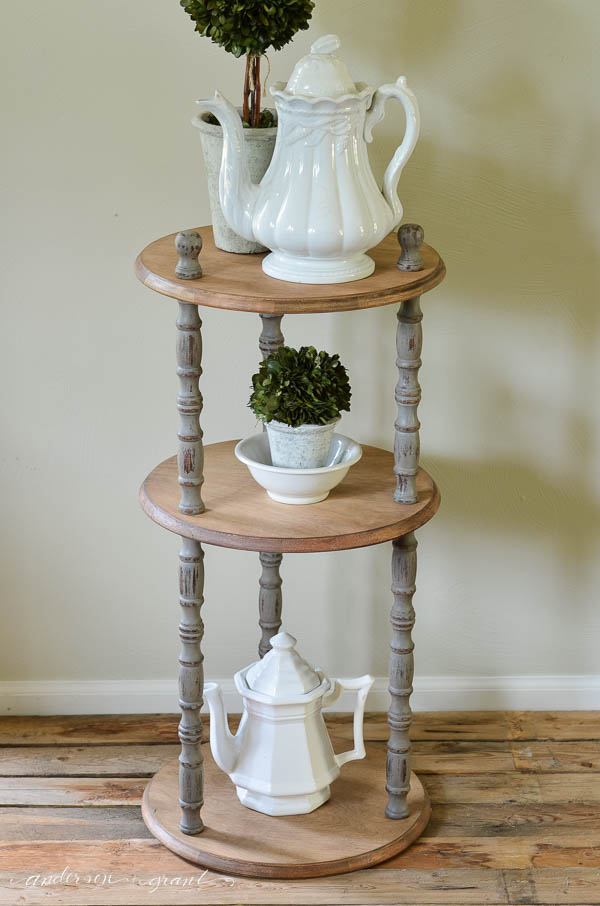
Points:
(409, 341)
(404, 570)
(269, 599)
(190, 455)
(191, 683)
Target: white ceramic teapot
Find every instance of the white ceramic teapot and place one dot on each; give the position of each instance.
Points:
(318, 206)
(281, 760)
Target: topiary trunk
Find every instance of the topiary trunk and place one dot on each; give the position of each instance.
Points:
(251, 104)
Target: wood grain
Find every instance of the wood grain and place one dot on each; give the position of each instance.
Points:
(444, 789)
(574, 886)
(550, 757)
(349, 832)
(238, 281)
(512, 787)
(564, 850)
(100, 823)
(558, 725)
(74, 761)
(101, 729)
(501, 835)
(239, 514)
(67, 791)
(428, 757)
(97, 729)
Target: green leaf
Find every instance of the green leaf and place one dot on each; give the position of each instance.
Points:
(300, 387)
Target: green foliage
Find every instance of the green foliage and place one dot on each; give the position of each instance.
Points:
(300, 387)
(249, 26)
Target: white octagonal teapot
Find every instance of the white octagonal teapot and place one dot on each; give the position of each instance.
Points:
(318, 206)
(281, 759)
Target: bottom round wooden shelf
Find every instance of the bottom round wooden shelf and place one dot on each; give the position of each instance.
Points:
(348, 832)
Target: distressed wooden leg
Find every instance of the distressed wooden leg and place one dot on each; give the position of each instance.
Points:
(271, 337)
(190, 455)
(191, 683)
(404, 570)
(269, 599)
(409, 340)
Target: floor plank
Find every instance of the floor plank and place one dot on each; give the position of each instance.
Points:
(469, 887)
(554, 724)
(565, 850)
(557, 757)
(500, 789)
(447, 821)
(553, 887)
(127, 760)
(513, 787)
(61, 761)
(462, 757)
(529, 819)
(126, 729)
(58, 791)
(515, 816)
(72, 823)
(112, 729)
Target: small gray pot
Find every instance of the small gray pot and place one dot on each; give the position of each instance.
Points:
(259, 145)
(305, 447)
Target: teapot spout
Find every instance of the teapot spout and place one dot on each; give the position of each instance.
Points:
(224, 746)
(237, 192)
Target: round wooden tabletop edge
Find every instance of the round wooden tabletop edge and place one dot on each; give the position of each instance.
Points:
(179, 525)
(193, 293)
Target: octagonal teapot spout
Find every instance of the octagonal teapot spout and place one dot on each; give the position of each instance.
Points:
(237, 193)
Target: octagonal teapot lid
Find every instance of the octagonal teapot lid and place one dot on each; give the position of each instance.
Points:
(321, 73)
(282, 672)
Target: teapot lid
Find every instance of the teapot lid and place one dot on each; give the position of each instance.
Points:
(282, 672)
(321, 73)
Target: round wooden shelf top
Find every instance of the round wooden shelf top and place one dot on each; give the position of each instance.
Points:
(238, 281)
(239, 514)
(348, 832)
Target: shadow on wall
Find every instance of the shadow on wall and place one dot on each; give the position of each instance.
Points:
(504, 199)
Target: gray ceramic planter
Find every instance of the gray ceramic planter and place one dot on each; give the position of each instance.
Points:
(259, 151)
(305, 447)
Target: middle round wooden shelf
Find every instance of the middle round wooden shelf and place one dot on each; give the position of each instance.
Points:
(358, 512)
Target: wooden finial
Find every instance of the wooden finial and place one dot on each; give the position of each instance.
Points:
(188, 244)
(410, 237)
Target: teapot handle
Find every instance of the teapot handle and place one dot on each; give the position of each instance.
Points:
(360, 684)
(375, 114)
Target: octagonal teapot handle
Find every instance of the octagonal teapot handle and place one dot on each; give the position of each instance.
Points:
(360, 684)
(375, 114)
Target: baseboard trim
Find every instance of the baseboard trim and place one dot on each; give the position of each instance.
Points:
(431, 693)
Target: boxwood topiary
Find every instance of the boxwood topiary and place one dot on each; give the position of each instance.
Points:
(300, 387)
(250, 27)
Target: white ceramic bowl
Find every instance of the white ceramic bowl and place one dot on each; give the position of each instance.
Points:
(297, 485)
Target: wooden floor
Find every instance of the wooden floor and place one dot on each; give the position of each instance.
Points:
(516, 816)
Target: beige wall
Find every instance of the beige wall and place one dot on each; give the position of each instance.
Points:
(99, 158)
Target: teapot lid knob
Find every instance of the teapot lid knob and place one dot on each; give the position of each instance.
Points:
(326, 44)
(283, 640)
(321, 73)
(282, 672)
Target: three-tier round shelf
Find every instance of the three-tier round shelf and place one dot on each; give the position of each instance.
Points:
(377, 806)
